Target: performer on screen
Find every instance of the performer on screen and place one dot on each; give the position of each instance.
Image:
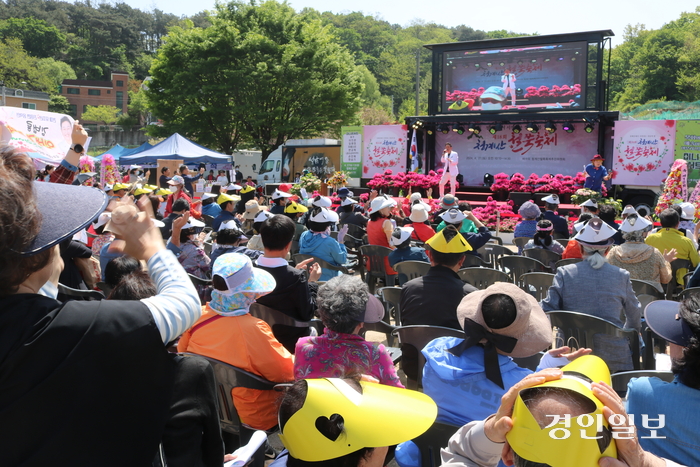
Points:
(508, 80)
(450, 171)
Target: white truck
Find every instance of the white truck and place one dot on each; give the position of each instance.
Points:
(320, 156)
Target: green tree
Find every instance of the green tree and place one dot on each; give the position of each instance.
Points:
(38, 38)
(19, 68)
(261, 73)
(101, 113)
(59, 104)
(55, 70)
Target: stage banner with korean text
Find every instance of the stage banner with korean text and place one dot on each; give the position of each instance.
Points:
(643, 151)
(351, 151)
(385, 147)
(688, 148)
(44, 136)
(526, 153)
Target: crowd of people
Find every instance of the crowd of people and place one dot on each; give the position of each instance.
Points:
(102, 382)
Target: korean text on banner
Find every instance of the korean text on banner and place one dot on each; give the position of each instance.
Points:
(44, 136)
(688, 148)
(643, 151)
(351, 151)
(385, 148)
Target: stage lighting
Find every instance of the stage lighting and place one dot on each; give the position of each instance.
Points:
(418, 124)
(493, 129)
(550, 127)
(458, 128)
(444, 129)
(533, 128)
(568, 127)
(517, 129)
(475, 129)
(588, 128)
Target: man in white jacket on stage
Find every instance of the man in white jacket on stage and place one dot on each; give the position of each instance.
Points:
(450, 171)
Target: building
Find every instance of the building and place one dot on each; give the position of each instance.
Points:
(83, 92)
(34, 100)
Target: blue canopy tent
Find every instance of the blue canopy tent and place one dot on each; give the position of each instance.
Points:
(176, 147)
(116, 151)
(129, 152)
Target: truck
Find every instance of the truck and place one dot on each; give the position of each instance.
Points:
(248, 162)
(320, 156)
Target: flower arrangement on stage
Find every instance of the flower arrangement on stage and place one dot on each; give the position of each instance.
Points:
(547, 183)
(501, 183)
(382, 181)
(488, 215)
(584, 194)
(309, 182)
(109, 173)
(675, 186)
(338, 179)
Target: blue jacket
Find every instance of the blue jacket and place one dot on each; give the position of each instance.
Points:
(212, 210)
(558, 222)
(326, 248)
(595, 181)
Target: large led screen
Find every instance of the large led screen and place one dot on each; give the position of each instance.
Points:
(541, 77)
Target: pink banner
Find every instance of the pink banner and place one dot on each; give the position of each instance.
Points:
(542, 152)
(385, 147)
(44, 136)
(643, 151)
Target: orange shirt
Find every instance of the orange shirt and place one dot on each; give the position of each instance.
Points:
(247, 343)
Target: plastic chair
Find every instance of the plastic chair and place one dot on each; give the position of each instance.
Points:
(673, 287)
(536, 284)
(356, 231)
(295, 247)
(546, 257)
(622, 378)
(374, 258)
(409, 270)
(277, 318)
(647, 288)
(491, 253)
(521, 241)
(497, 240)
(519, 265)
(207, 220)
(78, 294)
(566, 262)
(430, 443)
(473, 261)
(391, 297)
(688, 292)
(482, 277)
(418, 337)
(298, 258)
(580, 329)
(206, 246)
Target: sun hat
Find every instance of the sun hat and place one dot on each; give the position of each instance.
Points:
(597, 157)
(176, 180)
(246, 189)
(251, 209)
(277, 194)
(192, 222)
(157, 223)
(578, 444)
(295, 208)
(102, 219)
(163, 192)
(663, 317)
(687, 211)
(223, 197)
(494, 92)
(230, 225)
(142, 191)
(453, 216)
(400, 235)
(344, 192)
(262, 216)
(347, 201)
(378, 416)
(529, 210)
(209, 195)
(380, 202)
(634, 222)
(244, 282)
(415, 198)
(60, 219)
(589, 203)
(596, 234)
(107, 187)
(233, 186)
(150, 187)
(418, 213)
(529, 333)
(324, 216)
(120, 186)
(439, 243)
(629, 209)
(551, 199)
(449, 201)
(322, 202)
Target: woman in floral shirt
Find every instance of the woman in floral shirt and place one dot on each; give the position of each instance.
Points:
(345, 304)
(185, 243)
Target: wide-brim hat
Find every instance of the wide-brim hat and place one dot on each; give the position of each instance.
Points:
(531, 327)
(344, 192)
(663, 317)
(596, 234)
(589, 203)
(348, 201)
(687, 211)
(529, 210)
(439, 243)
(120, 186)
(142, 191)
(449, 201)
(246, 189)
(163, 192)
(494, 92)
(400, 235)
(193, 223)
(176, 180)
(252, 208)
(551, 199)
(233, 186)
(107, 187)
(453, 216)
(102, 219)
(262, 216)
(277, 194)
(295, 208)
(380, 202)
(231, 225)
(209, 195)
(223, 197)
(597, 157)
(634, 222)
(629, 209)
(379, 415)
(60, 218)
(322, 202)
(418, 213)
(325, 216)
(245, 284)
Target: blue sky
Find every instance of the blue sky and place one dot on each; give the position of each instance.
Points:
(523, 16)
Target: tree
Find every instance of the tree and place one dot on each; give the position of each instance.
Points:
(261, 73)
(102, 113)
(38, 38)
(59, 104)
(19, 68)
(56, 70)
